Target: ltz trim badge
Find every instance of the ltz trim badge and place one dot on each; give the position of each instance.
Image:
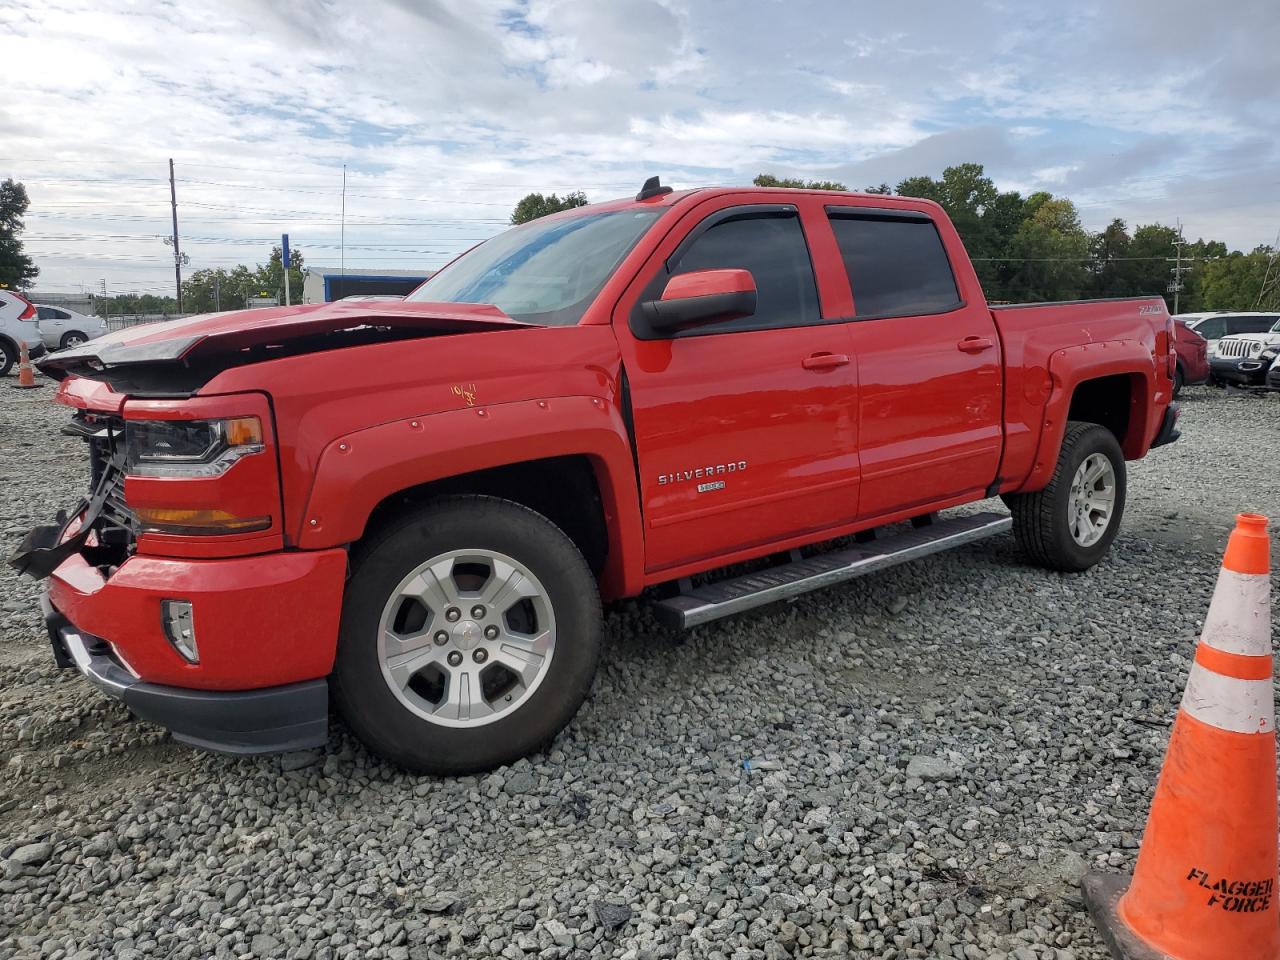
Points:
(701, 473)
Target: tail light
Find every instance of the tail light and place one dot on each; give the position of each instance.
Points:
(30, 312)
(1171, 361)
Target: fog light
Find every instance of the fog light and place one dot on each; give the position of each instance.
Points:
(180, 628)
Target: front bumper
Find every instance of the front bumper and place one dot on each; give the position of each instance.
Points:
(266, 628)
(1240, 371)
(275, 719)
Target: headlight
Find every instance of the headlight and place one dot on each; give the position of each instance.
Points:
(189, 448)
(1255, 349)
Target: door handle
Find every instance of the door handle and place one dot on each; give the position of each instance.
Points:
(824, 361)
(975, 344)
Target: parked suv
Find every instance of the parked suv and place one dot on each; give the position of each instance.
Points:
(18, 324)
(1242, 359)
(61, 328)
(1214, 326)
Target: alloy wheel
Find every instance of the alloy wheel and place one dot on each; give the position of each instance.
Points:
(466, 637)
(1092, 501)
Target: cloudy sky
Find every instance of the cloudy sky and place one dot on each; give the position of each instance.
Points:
(446, 112)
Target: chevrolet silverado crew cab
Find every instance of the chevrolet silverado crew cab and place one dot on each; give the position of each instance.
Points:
(418, 507)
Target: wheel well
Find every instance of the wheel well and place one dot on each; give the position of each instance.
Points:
(562, 489)
(1107, 401)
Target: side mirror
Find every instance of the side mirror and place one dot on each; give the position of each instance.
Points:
(703, 296)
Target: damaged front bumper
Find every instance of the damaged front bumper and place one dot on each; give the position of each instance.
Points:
(274, 719)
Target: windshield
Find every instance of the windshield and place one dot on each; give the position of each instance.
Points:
(545, 272)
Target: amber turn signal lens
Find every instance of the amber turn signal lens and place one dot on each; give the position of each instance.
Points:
(209, 522)
(242, 431)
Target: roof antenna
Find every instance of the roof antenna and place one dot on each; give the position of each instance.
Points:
(652, 188)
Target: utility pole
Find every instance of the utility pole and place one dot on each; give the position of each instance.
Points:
(177, 254)
(217, 290)
(342, 241)
(1175, 286)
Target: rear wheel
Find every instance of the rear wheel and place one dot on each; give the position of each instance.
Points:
(72, 338)
(8, 357)
(1069, 525)
(470, 635)
(1179, 378)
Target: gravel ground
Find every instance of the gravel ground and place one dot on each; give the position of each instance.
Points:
(947, 747)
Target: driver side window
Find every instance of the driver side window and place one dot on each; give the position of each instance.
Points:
(773, 248)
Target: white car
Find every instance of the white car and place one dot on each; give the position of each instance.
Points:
(18, 324)
(61, 328)
(1214, 326)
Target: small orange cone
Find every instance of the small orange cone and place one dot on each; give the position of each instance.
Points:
(26, 373)
(1205, 884)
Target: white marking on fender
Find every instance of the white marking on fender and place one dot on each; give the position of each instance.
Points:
(1241, 706)
(1239, 618)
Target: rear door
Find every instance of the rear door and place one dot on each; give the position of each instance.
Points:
(745, 430)
(929, 363)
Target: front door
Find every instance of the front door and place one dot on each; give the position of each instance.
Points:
(746, 430)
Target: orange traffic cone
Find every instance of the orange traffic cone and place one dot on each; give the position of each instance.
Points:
(26, 373)
(1205, 884)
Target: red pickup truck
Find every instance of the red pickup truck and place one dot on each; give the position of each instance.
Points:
(419, 506)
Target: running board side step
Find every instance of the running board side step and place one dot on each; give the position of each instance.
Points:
(723, 598)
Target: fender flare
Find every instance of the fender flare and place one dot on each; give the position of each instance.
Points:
(359, 470)
(1069, 367)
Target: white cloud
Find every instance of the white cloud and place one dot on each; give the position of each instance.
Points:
(446, 112)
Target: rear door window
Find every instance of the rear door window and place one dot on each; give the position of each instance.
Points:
(896, 262)
(1249, 324)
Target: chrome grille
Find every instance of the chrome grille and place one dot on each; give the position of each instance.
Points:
(1232, 348)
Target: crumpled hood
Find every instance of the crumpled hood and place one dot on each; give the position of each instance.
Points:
(211, 335)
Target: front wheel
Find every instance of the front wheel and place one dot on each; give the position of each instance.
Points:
(471, 630)
(1069, 525)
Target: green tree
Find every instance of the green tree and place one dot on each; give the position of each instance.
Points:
(795, 183)
(1051, 250)
(16, 268)
(536, 205)
(271, 274)
(884, 188)
(1233, 282)
(1111, 268)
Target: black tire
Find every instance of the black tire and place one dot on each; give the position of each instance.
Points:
(380, 562)
(8, 356)
(1178, 380)
(1041, 520)
(69, 337)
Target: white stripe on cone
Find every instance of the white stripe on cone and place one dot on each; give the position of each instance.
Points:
(1239, 618)
(1241, 706)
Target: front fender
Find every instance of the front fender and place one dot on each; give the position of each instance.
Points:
(359, 470)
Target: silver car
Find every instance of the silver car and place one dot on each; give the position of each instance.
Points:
(61, 328)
